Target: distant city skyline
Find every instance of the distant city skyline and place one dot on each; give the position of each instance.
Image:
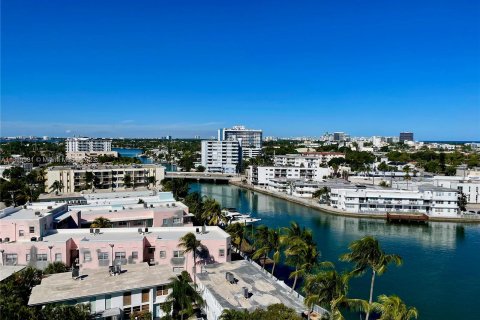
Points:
(157, 68)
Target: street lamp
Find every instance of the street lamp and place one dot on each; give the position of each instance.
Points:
(50, 248)
(111, 246)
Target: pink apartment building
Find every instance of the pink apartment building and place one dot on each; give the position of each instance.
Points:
(157, 246)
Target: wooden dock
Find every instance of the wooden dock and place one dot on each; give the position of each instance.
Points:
(407, 217)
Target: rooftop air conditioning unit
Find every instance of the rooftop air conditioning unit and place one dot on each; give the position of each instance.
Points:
(91, 230)
(33, 239)
(37, 213)
(49, 207)
(97, 231)
(204, 229)
(146, 230)
(7, 239)
(40, 239)
(140, 230)
(245, 292)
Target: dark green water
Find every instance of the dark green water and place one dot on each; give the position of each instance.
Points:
(441, 271)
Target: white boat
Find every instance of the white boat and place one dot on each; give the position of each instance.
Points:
(233, 216)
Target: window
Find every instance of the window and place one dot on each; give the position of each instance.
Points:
(134, 254)
(127, 298)
(145, 295)
(41, 257)
(165, 221)
(162, 291)
(177, 220)
(221, 253)
(102, 256)
(87, 256)
(11, 259)
(163, 254)
(178, 254)
(32, 229)
(21, 233)
(120, 255)
(58, 257)
(27, 257)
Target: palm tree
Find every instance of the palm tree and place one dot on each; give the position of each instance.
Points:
(183, 295)
(407, 177)
(231, 314)
(237, 232)
(189, 243)
(212, 212)
(152, 181)
(127, 180)
(328, 289)
(366, 253)
(261, 237)
(101, 222)
(90, 179)
(56, 186)
(275, 246)
(393, 308)
(301, 251)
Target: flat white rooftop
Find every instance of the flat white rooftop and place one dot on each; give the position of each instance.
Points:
(62, 287)
(132, 234)
(7, 271)
(29, 212)
(263, 290)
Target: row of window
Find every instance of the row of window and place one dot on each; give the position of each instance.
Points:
(21, 233)
(12, 258)
(102, 256)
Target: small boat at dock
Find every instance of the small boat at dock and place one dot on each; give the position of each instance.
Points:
(233, 216)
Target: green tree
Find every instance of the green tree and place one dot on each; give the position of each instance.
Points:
(183, 296)
(393, 308)
(60, 312)
(55, 267)
(101, 222)
(462, 201)
(262, 244)
(141, 315)
(127, 180)
(212, 212)
(366, 253)
(152, 181)
(57, 186)
(200, 168)
(237, 233)
(178, 187)
(194, 202)
(189, 243)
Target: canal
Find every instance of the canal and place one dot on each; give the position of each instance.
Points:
(441, 271)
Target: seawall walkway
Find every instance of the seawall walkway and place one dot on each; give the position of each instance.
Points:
(311, 203)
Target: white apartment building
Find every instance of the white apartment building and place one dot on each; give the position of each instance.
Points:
(223, 156)
(261, 175)
(78, 149)
(74, 178)
(430, 200)
(307, 159)
(250, 139)
(469, 186)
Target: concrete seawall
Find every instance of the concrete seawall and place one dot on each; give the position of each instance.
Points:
(310, 203)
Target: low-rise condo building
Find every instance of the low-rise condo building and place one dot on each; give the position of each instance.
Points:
(262, 175)
(80, 149)
(430, 200)
(103, 247)
(469, 186)
(307, 159)
(239, 285)
(76, 178)
(110, 295)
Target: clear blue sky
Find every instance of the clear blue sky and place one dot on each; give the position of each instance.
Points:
(151, 68)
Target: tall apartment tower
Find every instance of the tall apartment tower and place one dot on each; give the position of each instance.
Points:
(88, 145)
(222, 156)
(250, 139)
(406, 136)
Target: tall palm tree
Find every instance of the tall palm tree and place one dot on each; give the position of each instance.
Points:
(56, 186)
(393, 308)
(407, 177)
(101, 222)
(212, 212)
(231, 314)
(262, 244)
(293, 241)
(366, 253)
(183, 295)
(189, 243)
(237, 232)
(275, 246)
(328, 289)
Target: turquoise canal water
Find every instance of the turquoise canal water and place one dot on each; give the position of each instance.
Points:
(134, 153)
(441, 271)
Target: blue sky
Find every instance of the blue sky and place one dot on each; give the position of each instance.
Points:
(185, 68)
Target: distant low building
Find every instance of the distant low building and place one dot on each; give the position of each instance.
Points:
(81, 149)
(74, 178)
(430, 200)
